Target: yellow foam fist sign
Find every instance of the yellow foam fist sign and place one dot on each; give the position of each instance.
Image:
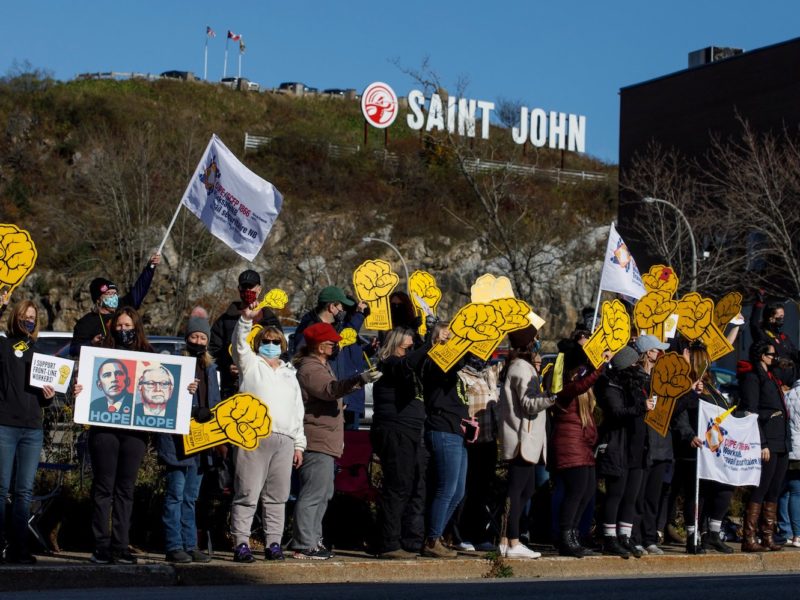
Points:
(487, 287)
(515, 316)
(613, 333)
(17, 256)
(661, 278)
(349, 337)
(251, 337)
(727, 308)
(472, 323)
(275, 298)
(374, 282)
(696, 322)
(670, 380)
(242, 420)
(425, 295)
(652, 311)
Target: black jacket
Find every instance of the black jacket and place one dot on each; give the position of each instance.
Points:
(622, 396)
(684, 419)
(761, 394)
(445, 398)
(397, 396)
(20, 404)
(784, 347)
(219, 344)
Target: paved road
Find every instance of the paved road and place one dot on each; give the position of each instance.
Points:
(657, 588)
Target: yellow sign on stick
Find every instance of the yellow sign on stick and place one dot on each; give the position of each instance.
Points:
(374, 282)
(669, 381)
(727, 308)
(651, 313)
(696, 323)
(515, 316)
(473, 323)
(241, 420)
(17, 256)
(613, 334)
(425, 295)
(276, 299)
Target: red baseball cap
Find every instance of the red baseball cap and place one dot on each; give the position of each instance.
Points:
(320, 332)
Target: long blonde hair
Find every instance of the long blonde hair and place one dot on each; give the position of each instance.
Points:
(586, 402)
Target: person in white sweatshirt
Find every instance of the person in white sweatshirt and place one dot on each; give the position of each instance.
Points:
(265, 472)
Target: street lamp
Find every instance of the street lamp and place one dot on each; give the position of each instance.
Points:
(649, 200)
(393, 247)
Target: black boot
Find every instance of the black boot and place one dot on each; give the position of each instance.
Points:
(712, 541)
(626, 543)
(568, 546)
(584, 550)
(612, 547)
(691, 548)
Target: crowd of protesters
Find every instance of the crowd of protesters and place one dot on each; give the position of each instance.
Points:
(445, 440)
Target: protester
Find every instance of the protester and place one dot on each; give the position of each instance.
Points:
(265, 472)
(397, 438)
(522, 434)
(789, 504)
(92, 328)
(342, 312)
(623, 396)
(573, 438)
(446, 410)
(715, 497)
(324, 430)
(761, 394)
(184, 474)
(766, 324)
(21, 433)
(222, 331)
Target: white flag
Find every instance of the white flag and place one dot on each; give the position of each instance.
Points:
(620, 273)
(731, 451)
(234, 204)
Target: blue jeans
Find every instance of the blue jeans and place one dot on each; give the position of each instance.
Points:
(448, 459)
(20, 447)
(180, 495)
(789, 506)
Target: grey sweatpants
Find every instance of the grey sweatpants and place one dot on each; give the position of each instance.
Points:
(316, 489)
(264, 473)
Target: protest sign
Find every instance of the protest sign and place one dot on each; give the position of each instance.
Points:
(696, 322)
(374, 282)
(242, 420)
(134, 390)
(51, 370)
(425, 295)
(17, 256)
(274, 299)
(669, 380)
(473, 323)
(731, 451)
(728, 307)
(349, 337)
(613, 333)
(620, 274)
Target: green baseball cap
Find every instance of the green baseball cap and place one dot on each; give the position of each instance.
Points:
(334, 294)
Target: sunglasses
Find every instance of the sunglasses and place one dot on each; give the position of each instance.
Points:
(273, 342)
(770, 354)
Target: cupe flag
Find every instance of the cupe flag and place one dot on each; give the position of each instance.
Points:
(620, 274)
(236, 205)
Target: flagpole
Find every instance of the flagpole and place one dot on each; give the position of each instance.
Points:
(225, 68)
(205, 60)
(171, 224)
(697, 479)
(600, 287)
(239, 75)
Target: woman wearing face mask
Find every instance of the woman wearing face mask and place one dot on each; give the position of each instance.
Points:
(184, 474)
(766, 324)
(92, 327)
(116, 455)
(761, 394)
(21, 435)
(265, 473)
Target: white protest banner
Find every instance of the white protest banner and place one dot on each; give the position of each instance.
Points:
(236, 205)
(620, 273)
(731, 451)
(134, 390)
(51, 370)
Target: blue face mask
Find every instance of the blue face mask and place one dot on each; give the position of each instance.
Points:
(269, 350)
(537, 345)
(111, 301)
(28, 326)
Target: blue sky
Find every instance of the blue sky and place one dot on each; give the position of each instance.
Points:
(567, 56)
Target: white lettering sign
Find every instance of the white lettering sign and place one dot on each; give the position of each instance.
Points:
(50, 370)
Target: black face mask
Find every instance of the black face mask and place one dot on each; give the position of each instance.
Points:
(776, 325)
(399, 316)
(124, 337)
(196, 349)
(339, 316)
(334, 352)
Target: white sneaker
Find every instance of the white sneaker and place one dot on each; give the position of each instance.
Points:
(502, 549)
(641, 549)
(465, 547)
(521, 551)
(654, 550)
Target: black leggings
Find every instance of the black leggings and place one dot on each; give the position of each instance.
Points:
(715, 497)
(521, 486)
(579, 485)
(773, 472)
(621, 494)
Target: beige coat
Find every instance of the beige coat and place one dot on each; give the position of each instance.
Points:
(522, 416)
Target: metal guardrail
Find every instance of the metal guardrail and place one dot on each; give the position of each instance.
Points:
(476, 165)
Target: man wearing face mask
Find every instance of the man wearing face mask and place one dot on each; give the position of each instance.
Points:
(766, 324)
(222, 331)
(343, 312)
(92, 328)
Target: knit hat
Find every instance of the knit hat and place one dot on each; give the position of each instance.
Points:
(521, 338)
(100, 286)
(198, 324)
(625, 358)
(333, 294)
(320, 332)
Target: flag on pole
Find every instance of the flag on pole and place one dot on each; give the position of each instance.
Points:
(731, 451)
(620, 273)
(210, 32)
(241, 45)
(235, 205)
(234, 36)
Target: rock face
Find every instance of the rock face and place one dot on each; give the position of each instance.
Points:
(568, 281)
